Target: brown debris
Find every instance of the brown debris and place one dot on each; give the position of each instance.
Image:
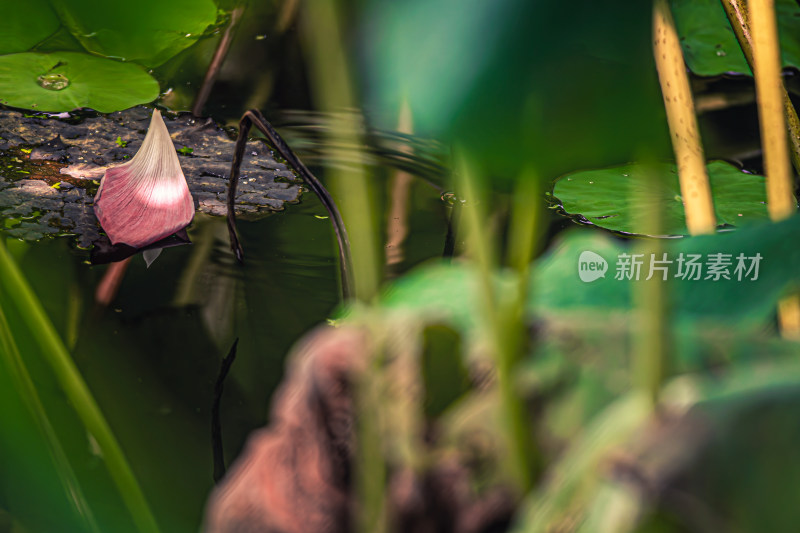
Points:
(295, 475)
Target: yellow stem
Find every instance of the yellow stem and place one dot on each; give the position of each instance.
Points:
(774, 141)
(737, 16)
(695, 188)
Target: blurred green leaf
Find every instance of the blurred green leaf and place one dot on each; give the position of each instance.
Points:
(76, 80)
(560, 84)
(145, 31)
(556, 284)
(721, 453)
(577, 477)
(710, 46)
(447, 293)
(24, 24)
(602, 196)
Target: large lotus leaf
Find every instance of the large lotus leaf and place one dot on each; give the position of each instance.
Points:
(68, 80)
(146, 31)
(601, 196)
(516, 82)
(24, 24)
(708, 42)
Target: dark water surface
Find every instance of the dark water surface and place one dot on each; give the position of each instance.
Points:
(151, 357)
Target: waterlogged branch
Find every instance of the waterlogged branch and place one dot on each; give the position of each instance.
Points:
(770, 94)
(738, 17)
(254, 117)
(695, 188)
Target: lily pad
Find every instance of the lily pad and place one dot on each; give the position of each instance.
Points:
(710, 46)
(145, 31)
(601, 196)
(24, 24)
(64, 81)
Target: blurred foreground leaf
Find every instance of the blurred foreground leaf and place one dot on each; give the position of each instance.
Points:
(559, 84)
(448, 293)
(28, 331)
(719, 457)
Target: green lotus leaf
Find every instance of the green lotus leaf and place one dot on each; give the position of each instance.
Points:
(146, 31)
(68, 80)
(24, 24)
(601, 196)
(708, 42)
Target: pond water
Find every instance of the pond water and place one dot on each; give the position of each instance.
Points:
(152, 355)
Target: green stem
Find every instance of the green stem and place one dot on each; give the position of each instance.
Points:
(506, 325)
(651, 337)
(524, 237)
(27, 390)
(16, 288)
(371, 472)
(333, 93)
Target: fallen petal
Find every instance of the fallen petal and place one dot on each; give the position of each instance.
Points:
(146, 199)
(151, 255)
(104, 252)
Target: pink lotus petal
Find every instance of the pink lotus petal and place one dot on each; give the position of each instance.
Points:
(146, 199)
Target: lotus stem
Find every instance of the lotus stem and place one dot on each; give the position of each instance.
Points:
(651, 334)
(333, 92)
(769, 93)
(695, 188)
(216, 62)
(770, 96)
(739, 20)
(216, 420)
